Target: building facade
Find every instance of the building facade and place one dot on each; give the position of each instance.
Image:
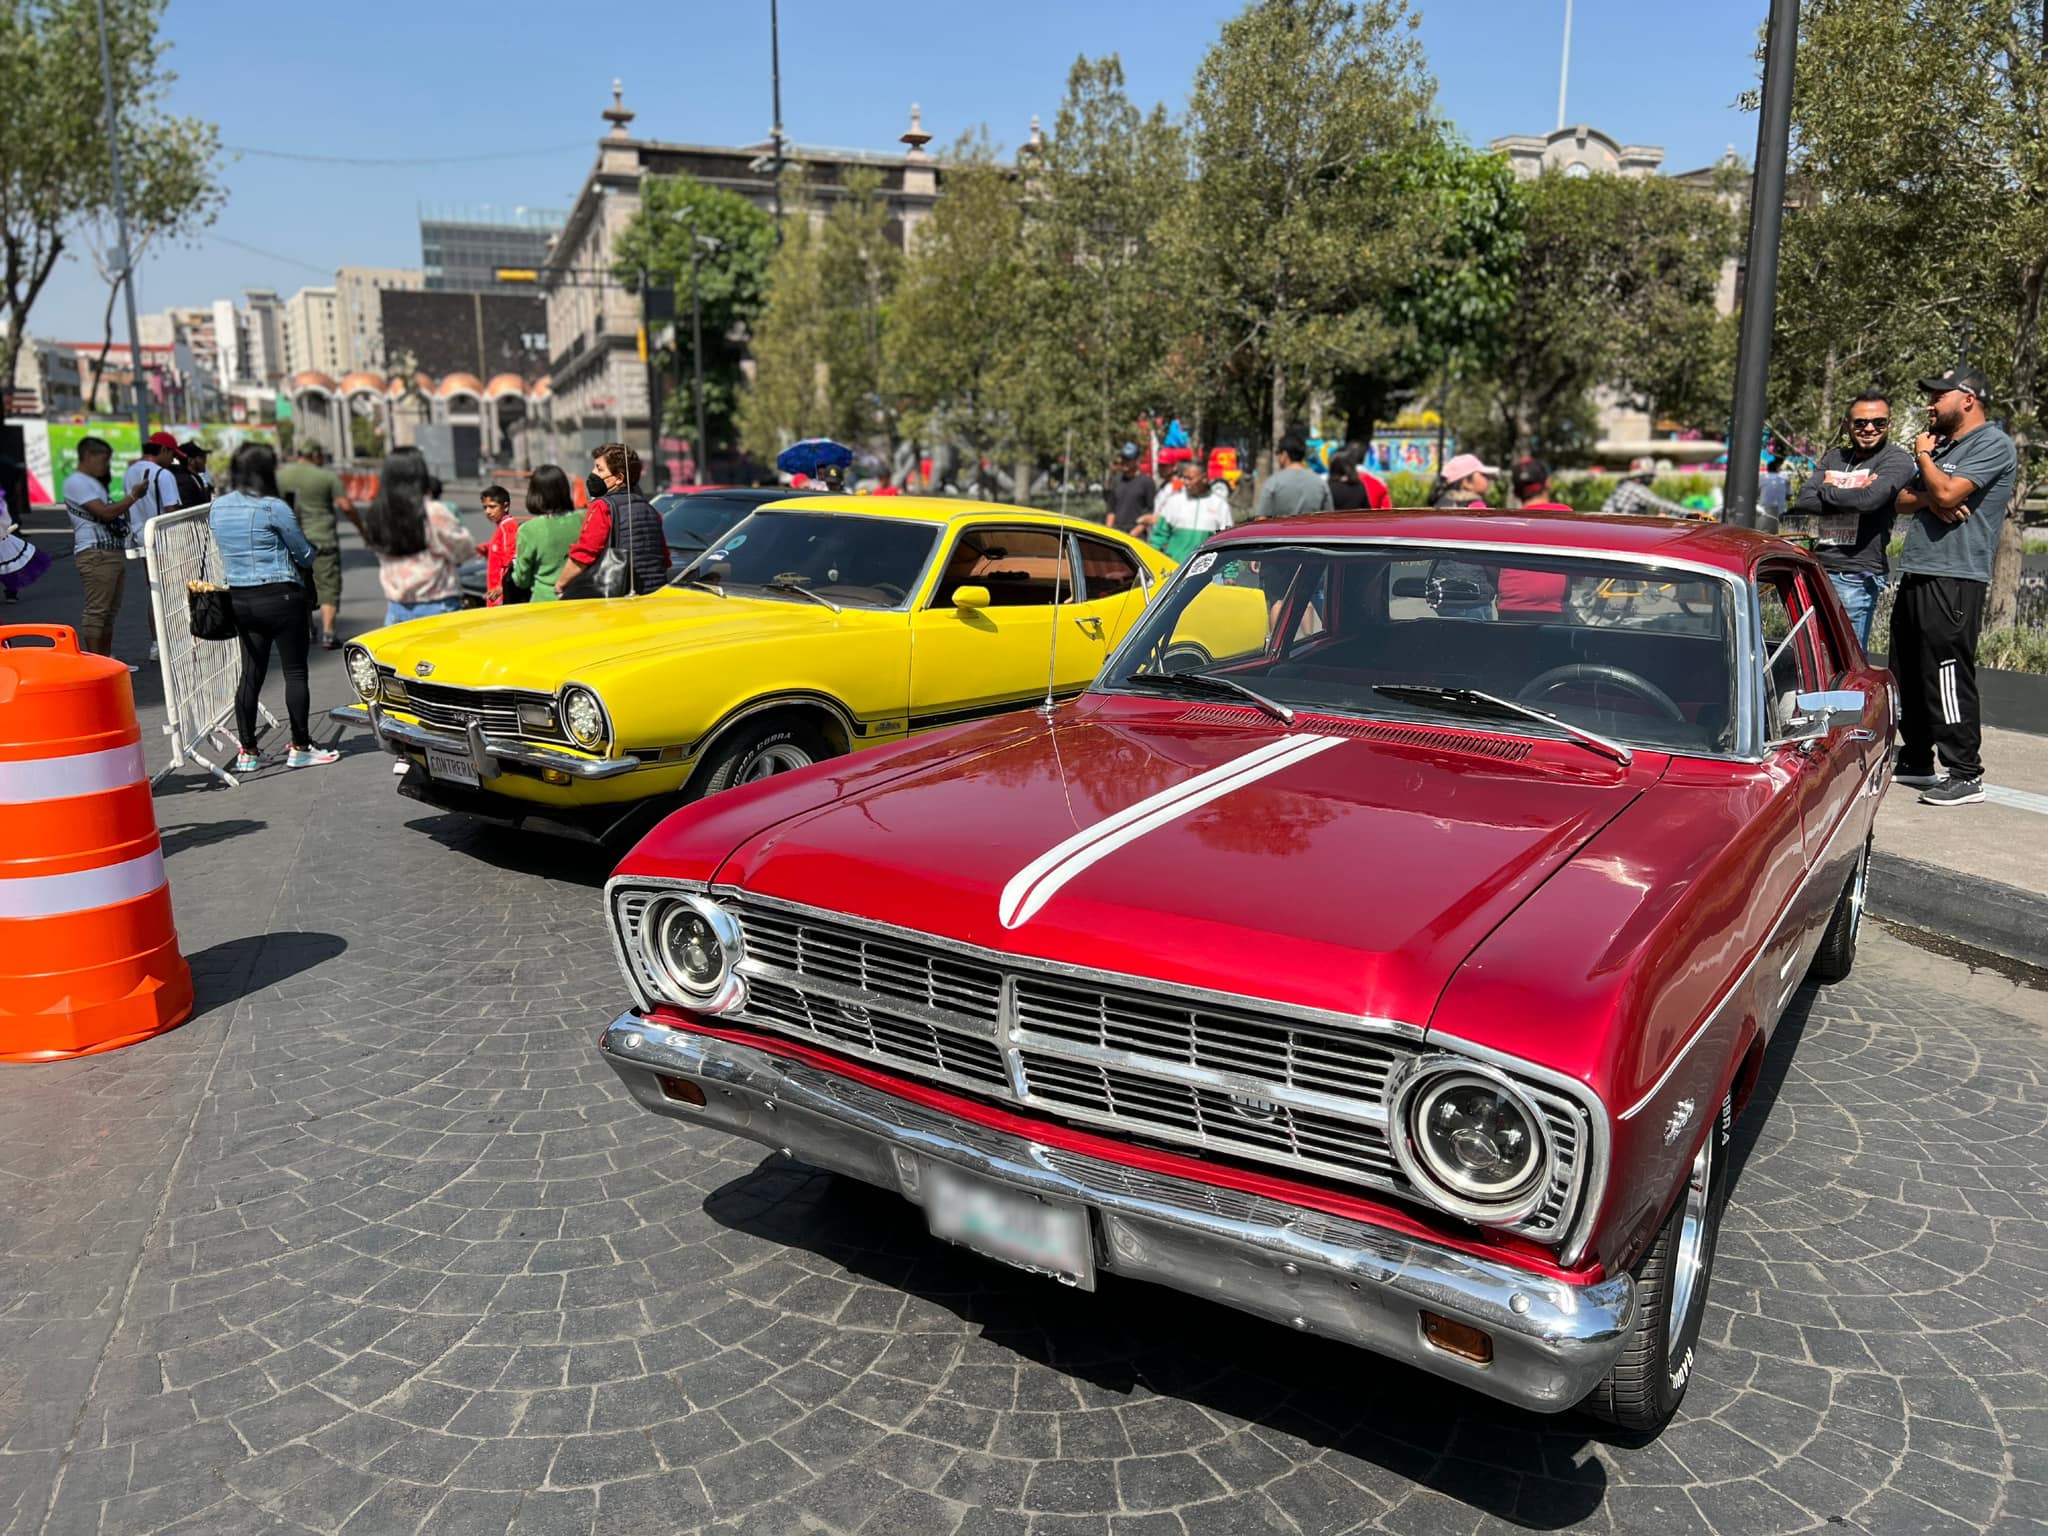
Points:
(312, 332)
(465, 254)
(598, 382)
(1577, 151)
(359, 299)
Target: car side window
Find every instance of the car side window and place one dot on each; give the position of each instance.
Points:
(1021, 567)
(1789, 669)
(1827, 644)
(1106, 571)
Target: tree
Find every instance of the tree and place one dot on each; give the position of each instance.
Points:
(954, 346)
(56, 185)
(859, 266)
(1616, 290)
(1301, 115)
(732, 278)
(786, 399)
(1094, 317)
(1917, 241)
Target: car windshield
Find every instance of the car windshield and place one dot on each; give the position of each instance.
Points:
(690, 523)
(846, 558)
(1638, 655)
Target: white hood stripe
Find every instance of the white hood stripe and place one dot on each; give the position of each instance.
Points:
(1040, 880)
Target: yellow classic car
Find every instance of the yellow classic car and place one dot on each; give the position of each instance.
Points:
(813, 628)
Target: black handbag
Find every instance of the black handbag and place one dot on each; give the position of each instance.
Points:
(210, 607)
(612, 576)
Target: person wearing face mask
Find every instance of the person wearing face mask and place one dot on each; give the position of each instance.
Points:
(619, 515)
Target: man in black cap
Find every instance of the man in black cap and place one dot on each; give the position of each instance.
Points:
(1129, 493)
(1957, 500)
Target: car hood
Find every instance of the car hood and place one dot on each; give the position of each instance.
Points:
(537, 645)
(1322, 868)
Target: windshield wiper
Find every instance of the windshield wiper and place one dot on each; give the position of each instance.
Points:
(1472, 701)
(800, 591)
(1173, 681)
(700, 584)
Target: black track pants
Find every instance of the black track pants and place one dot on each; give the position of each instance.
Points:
(1934, 657)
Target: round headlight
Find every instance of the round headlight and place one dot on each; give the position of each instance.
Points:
(583, 718)
(695, 946)
(362, 672)
(1472, 1142)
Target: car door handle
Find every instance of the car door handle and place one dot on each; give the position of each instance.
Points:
(1092, 624)
(1862, 733)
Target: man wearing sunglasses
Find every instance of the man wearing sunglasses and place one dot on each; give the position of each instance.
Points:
(1851, 495)
(1958, 498)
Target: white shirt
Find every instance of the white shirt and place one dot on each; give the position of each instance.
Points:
(1203, 514)
(161, 497)
(88, 532)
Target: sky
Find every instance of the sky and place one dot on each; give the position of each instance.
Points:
(523, 81)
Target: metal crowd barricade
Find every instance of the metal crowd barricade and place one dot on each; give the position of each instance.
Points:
(200, 676)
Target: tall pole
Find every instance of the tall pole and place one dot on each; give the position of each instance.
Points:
(775, 68)
(1760, 286)
(1564, 73)
(127, 277)
(653, 382)
(697, 357)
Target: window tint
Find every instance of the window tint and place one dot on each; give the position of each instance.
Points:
(1021, 567)
(1106, 570)
(1827, 645)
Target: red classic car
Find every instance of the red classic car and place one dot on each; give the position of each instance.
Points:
(1396, 974)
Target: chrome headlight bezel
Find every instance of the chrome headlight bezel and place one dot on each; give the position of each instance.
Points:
(641, 915)
(572, 695)
(355, 660)
(1420, 1084)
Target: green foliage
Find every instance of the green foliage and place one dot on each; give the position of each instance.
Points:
(1408, 490)
(786, 400)
(56, 183)
(731, 286)
(1589, 493)
(2014, 649)
(859, 266)
(1289, 248)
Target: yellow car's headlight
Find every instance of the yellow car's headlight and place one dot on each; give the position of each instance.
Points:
(584, 718)
(362, 673)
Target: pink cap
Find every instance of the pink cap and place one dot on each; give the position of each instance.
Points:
(1465, 465)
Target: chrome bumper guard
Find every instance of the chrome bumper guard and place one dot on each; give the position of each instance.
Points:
(1347, 1280)
(484, 752)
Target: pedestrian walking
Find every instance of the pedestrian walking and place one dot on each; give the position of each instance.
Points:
(1632, 496)
(1186, 515)
(262, 555)
(1293, 489)
(1353, 488)
(188, 469)
(151, 477)
(1518, 589)
(21, 563)
(316, 497)
(420, 543)
(618, 515)
(1129, 492)
(1463, 484)
(99, 537)
(550, 531)
(1459, 589)
(1773, 492)
(1965, 471)
(1852, 495)
(501, 547)
(1530, 480)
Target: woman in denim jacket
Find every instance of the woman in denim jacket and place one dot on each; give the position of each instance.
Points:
(263, 554)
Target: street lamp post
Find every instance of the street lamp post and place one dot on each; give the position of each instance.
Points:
(697, 351)
(1760, 287)
(127, 277)
(775, 73)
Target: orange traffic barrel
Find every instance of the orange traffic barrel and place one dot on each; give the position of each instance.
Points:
(88, 953)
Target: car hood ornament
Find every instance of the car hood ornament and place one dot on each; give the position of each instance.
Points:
(423, 669)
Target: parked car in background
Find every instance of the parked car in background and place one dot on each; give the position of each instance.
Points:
(1394, 973)
(690, 520)
(810, 629)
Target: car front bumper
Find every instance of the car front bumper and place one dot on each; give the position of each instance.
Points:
(1360, 1284)
(485, 753)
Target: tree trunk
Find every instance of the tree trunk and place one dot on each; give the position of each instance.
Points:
(1279, 404)
(1827, 390)
(2003, 606)
(1027, 471)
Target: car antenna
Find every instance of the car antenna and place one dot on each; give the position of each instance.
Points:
(1052, 662)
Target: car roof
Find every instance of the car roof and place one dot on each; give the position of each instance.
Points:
(948, 509)
(1720, 545)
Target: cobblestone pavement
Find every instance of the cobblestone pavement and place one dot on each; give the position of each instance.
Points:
(376, 1244)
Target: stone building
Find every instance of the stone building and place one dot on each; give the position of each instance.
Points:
(359, 298)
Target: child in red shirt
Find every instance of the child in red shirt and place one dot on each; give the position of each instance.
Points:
(502, 547)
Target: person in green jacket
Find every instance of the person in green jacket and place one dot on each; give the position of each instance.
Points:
(547, 535)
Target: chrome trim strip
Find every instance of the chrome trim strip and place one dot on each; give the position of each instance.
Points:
(1347, 1279)
(492, 748)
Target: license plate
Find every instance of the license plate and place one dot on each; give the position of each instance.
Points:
(455, 767)
(1046, 1237)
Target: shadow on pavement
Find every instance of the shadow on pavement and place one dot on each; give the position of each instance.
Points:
(1770, 1082)
(203, 834)
(1130, 1338)
(228, 972)
(519, 852)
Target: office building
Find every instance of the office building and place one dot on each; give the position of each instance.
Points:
(463, 253)
(359, 293)
(312, 332)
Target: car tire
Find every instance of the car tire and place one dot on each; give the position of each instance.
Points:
(1836, 956)
(762, 751)
(1647, 1381)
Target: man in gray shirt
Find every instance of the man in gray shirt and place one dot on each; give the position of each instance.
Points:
(1292, 488)
(1966, 471)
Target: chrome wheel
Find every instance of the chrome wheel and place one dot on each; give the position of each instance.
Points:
(1688, 1267)
(778, 757)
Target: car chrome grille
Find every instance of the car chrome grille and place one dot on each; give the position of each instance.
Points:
(1229, 1078)
(496, 709)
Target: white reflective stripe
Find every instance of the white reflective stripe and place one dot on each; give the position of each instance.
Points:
(81, 890)
(1039, 881)
(83, 773)
(1951, 705)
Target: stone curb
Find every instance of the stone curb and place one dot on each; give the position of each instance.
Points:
(1985, 914)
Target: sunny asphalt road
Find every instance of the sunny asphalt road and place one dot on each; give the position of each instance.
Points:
(377, 1244)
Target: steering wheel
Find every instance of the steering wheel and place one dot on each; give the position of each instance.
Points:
(1595, 673)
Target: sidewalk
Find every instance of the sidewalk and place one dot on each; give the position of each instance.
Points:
(1977, 873)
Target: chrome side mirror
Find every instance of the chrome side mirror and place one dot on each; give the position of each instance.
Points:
(1815, 714)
